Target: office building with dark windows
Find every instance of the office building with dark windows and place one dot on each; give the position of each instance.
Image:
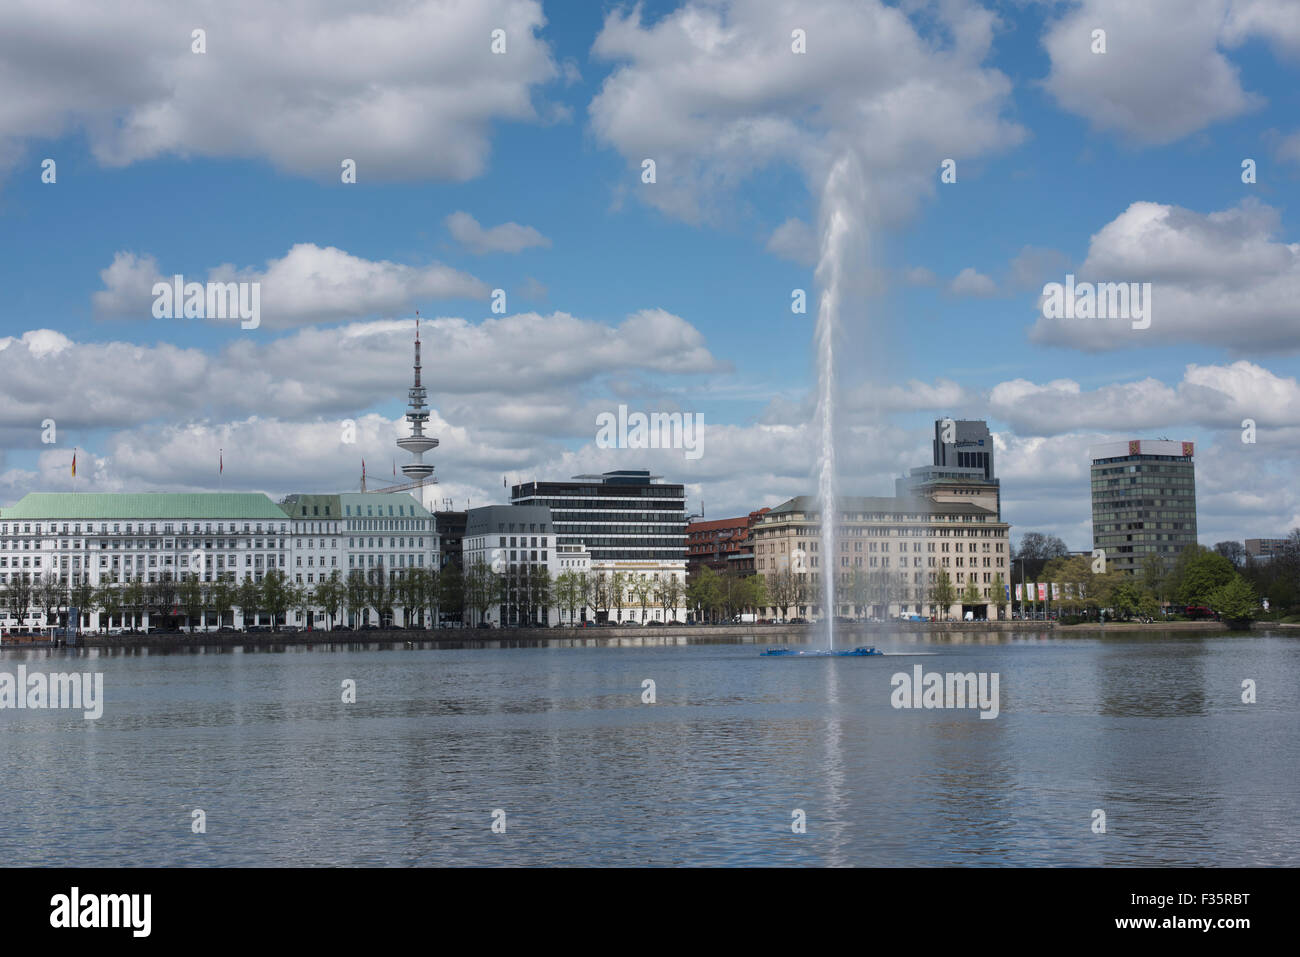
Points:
(1143, 501)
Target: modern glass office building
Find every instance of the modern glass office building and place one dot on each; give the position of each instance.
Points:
(1143, 501)
(627, 514)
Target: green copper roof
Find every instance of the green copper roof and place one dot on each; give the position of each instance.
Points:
(158, 505)
(303, 507)
(380, 505)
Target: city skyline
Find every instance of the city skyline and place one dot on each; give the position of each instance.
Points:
(675, 296)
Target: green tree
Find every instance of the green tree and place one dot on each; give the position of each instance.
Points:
(668, 593)
(481, 588)
(567, 592)
(221, 596)
(704, 593)
(587, 591)
(997, 592)
(780, 585)
(52, 595)
(331, 595)
(277, 596)
(20, 595)
(82, 597)
(357, 596)
(1205, 572)
(1235, 600)
(971, 594)
(1152, 574)
(249, 598)
(379, 593)
(540, 586)
(135, 597)
(618, 593)
(643, 589)
(942, 593)
(756, 597)
(451, 591)
(303, 599)
(108, 598)
(192, 598)
(163, 595)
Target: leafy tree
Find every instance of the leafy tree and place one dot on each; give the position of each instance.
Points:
(221, 597)
(669, 594)
(82, 597)
(1148, 607)
(1152, 574)
(302, 600)
(567, 592)
(357, 595)
(1235, 600)
(1234, 552)
(162, 594)
(135, 598)
(618, 583)
(20, 595)
(428, 604)
(587, 589)
(249, 598)
(971, 595)
(379, 593)
(756, 596)
(52, 595)
(331, 594)
(705, 592)
(451, 591)
(481, 588)
(942, 593)
(780, 586)
(1204, 572)
(277, 596)
(192, 598)
(108, 598)
(642, 589)
(997, 591)
(1035, 550)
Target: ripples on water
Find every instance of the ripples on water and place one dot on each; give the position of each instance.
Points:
(1151, 729)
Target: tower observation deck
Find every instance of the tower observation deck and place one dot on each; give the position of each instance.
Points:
(417, 443)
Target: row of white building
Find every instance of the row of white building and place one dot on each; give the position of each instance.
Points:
(98, 538)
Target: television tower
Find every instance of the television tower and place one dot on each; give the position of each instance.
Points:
(417, 443)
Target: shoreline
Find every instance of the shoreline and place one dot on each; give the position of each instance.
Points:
(746, 633)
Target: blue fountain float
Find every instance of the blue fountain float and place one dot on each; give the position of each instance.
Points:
(822, 653)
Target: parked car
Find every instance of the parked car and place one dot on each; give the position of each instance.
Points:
(652, 624)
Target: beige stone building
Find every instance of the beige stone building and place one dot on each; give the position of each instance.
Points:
(891, 552)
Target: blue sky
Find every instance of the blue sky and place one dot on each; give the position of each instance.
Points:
(1050, 157)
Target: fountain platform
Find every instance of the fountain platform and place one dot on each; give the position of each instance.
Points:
(846, 653)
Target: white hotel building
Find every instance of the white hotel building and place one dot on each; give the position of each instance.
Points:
(101, 537)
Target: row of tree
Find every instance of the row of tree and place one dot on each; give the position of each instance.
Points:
(727, 594)
(1276, 578)
(1199, 577)
(413, 591)
(525, 593)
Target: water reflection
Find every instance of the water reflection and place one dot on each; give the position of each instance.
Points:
(1151, 729)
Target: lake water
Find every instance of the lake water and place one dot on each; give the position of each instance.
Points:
(1151, 729)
